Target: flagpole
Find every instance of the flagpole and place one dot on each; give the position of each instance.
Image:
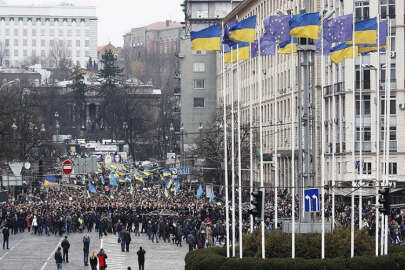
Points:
(239, 155)
(323, 145)
(353, 135)
(388, 119)
(250, 134)
(292, 68)
(233, 157)
(276, 171)
(225, 153)
(261, 144)
(378, 130)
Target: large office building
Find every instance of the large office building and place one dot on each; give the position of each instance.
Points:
(198, 68)
(44, 34)
(348, 125)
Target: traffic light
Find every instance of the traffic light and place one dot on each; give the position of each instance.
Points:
(385, 200)
(257, 205)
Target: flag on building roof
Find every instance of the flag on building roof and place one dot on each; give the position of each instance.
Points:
(207, 39)
(341, 52)
(244, 30)
(278, 27)
(339, 29)
(305, 25)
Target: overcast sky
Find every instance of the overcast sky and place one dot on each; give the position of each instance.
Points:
(116, 17)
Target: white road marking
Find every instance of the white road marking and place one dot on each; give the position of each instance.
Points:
(52, 253)
(5, 254)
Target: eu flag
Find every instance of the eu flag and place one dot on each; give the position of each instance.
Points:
(207, 39)
(267, 45)
(278, 27)
(305, 25)
(339, 29)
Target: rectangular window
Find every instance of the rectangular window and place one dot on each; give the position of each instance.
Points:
(7, 42)
(42, 42)
(366, 167)
(7, 32)
(25, 32)
(34, 43)
(87, 54)
(387, 9)
(78, 32)
(42, 32)
(69, 43)
(77, 43)
(15, 42)
(366, 105)
(69, 33)
(87, 43)
(25, 42)
(393, 103)
(199, 52)
(61, 32)
(15, 32)
(52, 32)
(199, 67)
(199, 102)
(43, 53)
(15, 52)
(7, 52)
(77, 53)
(34, 32)
(34, 53)
(199, 84)
(25, 53)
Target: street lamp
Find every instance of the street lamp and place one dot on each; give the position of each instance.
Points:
(43, 128)
(125, 127)
(14, 126)
(57, 123)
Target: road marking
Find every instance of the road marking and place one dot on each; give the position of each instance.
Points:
(4, 255)
(52, 253)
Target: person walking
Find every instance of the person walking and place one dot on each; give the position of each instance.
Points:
(6, 235)
(127, 240)
(101, 256)
(93, 261)
(65, 246)
(58, 259)
(86, 249)
(141, 258)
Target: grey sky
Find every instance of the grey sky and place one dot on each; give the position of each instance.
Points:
(116, 17)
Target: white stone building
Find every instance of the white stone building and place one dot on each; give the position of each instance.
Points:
(42, 34)
(276, 92)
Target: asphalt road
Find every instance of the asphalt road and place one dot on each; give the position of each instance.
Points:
(28, 251)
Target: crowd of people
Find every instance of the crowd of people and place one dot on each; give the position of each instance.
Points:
(134, 209)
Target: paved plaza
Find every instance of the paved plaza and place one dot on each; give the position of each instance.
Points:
(28, 251)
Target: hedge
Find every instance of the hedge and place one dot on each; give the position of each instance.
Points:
(214, 259)
(308, 251)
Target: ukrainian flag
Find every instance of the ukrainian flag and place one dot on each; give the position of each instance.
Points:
(342, 51)
(244, 30)
(166, 173)
(208, 39)
(305, 25)
(368, 49)
(240, 50)
(50, 180)
(366, 31)
(286, 47)
(227, 53)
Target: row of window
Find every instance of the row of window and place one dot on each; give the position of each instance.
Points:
(366, 105)
(18, 53)
(387, 9)
(44, 32)
(367, 168)
(34, 42)
(43, 21)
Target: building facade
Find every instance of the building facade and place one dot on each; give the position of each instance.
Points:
(44, 34)
(348, 125)
(198, 68)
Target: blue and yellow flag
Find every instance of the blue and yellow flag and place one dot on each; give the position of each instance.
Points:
(50, 180)
(245, 30)
(112, 195)
(166, 173)
(166, 193)
(365, 32)
(208, 39)
(92, 189)
(286, 47)
(240, 50)
(86, 194)
(341, 52)
(83, 179)
(131, 190)
(122, 179)
(305, 25)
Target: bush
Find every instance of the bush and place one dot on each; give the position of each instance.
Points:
(308, 246)
(214, 259)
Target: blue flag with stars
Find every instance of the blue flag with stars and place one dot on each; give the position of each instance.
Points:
(278, 27)
(339, 29)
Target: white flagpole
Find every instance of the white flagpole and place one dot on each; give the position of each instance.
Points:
(261, 143)
(354, 137)
(388, 118)
(250, 133)
(275, 158)
(361, 139)
(225, 153)
(292, 68)
(233, 158)
(378, 130)
(323, 145)
(239, 156)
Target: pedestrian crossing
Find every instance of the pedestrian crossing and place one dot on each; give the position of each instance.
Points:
(116, 259)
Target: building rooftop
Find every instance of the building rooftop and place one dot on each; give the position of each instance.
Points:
(164, 25)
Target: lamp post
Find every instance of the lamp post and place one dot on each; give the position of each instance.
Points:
(125, 127)
(182, 144)
(171, 129)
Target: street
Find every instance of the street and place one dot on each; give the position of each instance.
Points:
(28, 251)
